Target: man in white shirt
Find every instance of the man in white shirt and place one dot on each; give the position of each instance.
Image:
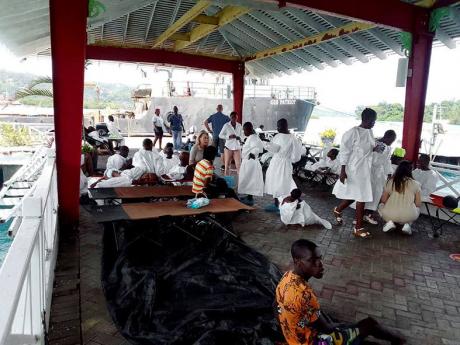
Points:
(425, 176)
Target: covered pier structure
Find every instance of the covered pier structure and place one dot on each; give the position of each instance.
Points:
(411, 284)
(260, 38)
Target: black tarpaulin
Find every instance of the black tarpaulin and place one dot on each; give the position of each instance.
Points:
(164, 287)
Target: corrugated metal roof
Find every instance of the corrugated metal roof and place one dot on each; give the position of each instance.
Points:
(24, 28)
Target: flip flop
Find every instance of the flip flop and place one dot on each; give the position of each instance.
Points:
(338, 216)
(455, 257)
(360, 233)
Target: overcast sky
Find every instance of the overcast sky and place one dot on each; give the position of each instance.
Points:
(341, 88)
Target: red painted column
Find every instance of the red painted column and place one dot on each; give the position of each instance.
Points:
(238, 90)
(416, 86)
(68, 44)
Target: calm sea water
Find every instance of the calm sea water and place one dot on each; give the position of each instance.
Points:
(5, 241)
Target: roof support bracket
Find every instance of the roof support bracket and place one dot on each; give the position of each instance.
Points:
(185, 19)
(225, 16)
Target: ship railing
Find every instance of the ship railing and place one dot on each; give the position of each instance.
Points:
(447, 185)
(224, 91)
(27, 273)
(281, 92)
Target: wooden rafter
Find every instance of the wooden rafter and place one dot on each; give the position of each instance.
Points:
(204, 19)
(184, 20)
(223, 17)
(311, 40)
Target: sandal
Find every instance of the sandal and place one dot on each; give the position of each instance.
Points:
(338, 216)
(360, 233)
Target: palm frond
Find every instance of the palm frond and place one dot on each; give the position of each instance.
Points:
(40, 80)
(25, 92)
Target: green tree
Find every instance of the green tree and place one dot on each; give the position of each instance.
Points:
(449, 110)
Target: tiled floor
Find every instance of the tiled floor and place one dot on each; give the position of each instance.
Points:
(409, 283)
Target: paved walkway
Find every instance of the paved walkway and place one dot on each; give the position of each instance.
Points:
(409, 283)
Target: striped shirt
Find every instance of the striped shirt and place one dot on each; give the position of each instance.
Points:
(203, 173)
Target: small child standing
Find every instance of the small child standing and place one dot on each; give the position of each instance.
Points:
(294, 210)
(251, 180)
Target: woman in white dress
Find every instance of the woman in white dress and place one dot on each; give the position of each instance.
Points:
(232, 132)
(286, 150)
(251, 179)
(355, 157)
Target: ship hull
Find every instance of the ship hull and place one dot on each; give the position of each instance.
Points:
(258, 110)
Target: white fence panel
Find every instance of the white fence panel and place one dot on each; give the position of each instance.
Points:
(27, 274)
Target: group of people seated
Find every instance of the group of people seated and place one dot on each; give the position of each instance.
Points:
(147, 167)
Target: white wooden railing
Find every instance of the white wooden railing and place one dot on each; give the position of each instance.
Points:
(447, 186)
(27, 274)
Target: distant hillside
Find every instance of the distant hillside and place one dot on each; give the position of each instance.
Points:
(450, 110)
(110, 95)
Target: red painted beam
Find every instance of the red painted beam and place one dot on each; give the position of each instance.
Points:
(68, 43)
(161, 57)
(394, 14)
(416, 86)
(238, 91)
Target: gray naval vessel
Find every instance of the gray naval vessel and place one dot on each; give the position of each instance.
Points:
(263, 105)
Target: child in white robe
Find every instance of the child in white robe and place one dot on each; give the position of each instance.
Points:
(355, 157)
(182, 170)
(163, 153)
(115, 178)
(149, 159)
(251, 180)
(330, 163)
(118, 161)
(381, 171)
(170, 159)
(427, 178)
(286, 150)
(293, 210)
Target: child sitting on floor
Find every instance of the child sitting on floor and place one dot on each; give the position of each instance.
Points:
(329, 164)
(170, 159)
(294, 210)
